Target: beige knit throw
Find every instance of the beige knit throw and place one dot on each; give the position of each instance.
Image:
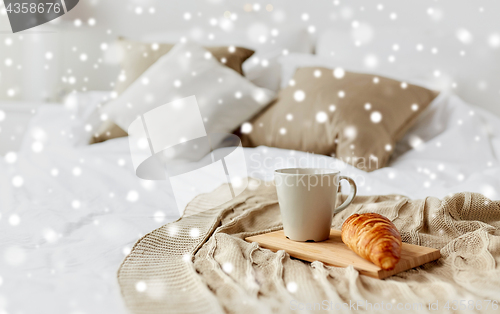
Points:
(202, 264)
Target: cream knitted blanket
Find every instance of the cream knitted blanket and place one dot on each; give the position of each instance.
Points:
(202, 264)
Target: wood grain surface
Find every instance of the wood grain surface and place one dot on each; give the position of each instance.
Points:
(334, 252)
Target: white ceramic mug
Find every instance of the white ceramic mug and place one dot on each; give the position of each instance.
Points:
(307, 198)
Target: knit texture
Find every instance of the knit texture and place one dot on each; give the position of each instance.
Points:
(202, 264)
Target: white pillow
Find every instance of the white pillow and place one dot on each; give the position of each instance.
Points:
(225, 98)
(293, 61)
(262, 68)
(391, 52)
(444, 60)
(86, 115)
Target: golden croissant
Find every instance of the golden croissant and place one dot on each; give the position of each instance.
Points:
(374, 238)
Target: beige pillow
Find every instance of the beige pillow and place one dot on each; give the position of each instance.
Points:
(107, 130)
(354, 117)
(139, 56)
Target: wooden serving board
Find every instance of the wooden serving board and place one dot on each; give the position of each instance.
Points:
(334, 252)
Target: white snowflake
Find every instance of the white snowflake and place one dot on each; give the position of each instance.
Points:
(14, 220)
(299, 95)
(321, 117)
(350, 132)
(371, 61)
(338, 73)
(194, 232)
(17, 181)
(132, 196)
(76, 204)
(141, 286)
(10, 157)
(159, 216)
(376, 117)
(494, 40)
(227, 267)
(464, 35)
(292, 287)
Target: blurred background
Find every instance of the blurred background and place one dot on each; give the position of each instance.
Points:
(453, 44)
(69, 216)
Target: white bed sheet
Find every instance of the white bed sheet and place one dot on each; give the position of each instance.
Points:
(79, 210)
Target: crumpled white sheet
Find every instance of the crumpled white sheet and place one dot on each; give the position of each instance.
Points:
(65, 230)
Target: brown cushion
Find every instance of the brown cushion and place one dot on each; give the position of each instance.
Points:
(139, 56)
(108, 130)
(356, 118)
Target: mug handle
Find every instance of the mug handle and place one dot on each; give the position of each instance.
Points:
(351, 196)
